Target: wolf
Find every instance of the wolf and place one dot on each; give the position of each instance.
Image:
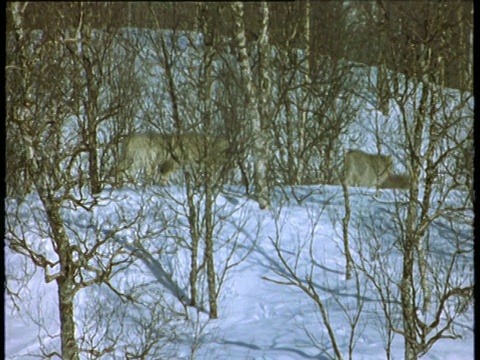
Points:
(396, 181)
(153, 157)
(364, 169)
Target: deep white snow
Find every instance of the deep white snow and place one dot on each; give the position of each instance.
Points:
(258, 319)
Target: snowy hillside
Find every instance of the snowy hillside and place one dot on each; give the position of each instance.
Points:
(259, 318)
(281, 273)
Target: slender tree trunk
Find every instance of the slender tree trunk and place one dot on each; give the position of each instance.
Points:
(383, 88)
(66, 280)
(171, 87)
(194, 236)
(345, 223)
(383, 91)
(291, 154)
(429, 92)
(92, 157)
(305, 102)
(407, 282)
(66, 296)
(408, 301)
(208, 182)
(261, 145)
(413, 237)
(260, 149)
(90, 104)
(209, 254)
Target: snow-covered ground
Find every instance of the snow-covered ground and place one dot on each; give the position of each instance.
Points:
(258, 318)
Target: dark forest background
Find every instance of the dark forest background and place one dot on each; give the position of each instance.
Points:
(356, 31)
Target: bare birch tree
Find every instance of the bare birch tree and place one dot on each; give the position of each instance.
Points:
(434, 124)
(255, 106)
(56, 116)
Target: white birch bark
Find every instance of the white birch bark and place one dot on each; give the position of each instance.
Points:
(205, 95)
(254, 100)
(65, 279)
